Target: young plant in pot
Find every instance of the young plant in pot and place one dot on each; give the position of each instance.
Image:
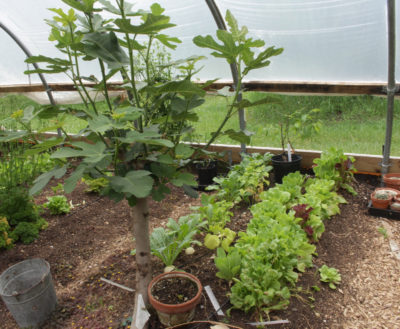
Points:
(298, 124)
(174, 296)
(207, 169)
(382, 197)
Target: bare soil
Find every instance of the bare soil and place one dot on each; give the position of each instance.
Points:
(174, 291)
(94, 242)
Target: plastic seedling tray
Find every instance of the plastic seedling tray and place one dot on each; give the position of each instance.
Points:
(387, 213)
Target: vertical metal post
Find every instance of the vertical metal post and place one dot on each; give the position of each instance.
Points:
(221, 25)
(28, 54)
(391, 86)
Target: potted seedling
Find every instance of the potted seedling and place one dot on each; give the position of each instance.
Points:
(206, 168)
(206, 171)
(174, 296)
(298, 124)
(382, 197)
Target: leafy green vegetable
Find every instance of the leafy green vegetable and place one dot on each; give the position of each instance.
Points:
(168, 243)
(212, 241)
(335, 165)
(246, 180)
(260, 288)
(330, 275)
(58, 205)
(228, 265)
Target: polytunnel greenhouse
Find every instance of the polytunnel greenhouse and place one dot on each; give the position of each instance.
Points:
(199, 164)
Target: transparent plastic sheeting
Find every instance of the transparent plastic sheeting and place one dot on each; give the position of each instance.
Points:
(323, 40)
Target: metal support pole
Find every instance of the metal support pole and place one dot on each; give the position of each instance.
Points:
(221, 26)
(28, 54)
(391, 86)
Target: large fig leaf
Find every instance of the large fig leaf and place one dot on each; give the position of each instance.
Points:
(106, 47)
(137, 183)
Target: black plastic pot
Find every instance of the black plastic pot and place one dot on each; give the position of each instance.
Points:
(206, 172)
(282, 167)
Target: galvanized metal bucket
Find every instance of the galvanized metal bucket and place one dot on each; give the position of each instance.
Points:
(28, 292)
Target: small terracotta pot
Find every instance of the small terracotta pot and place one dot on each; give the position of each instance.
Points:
(383, 203)
(395, 206)
(174, 314)
(392, 180)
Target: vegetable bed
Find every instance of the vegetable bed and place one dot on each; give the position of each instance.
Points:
(93, 242)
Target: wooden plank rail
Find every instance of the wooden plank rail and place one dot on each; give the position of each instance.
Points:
(316, 88)
(364, 163)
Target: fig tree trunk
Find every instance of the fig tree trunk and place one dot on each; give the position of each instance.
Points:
(140, 217)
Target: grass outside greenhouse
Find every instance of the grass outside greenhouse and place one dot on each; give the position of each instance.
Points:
(356, 124)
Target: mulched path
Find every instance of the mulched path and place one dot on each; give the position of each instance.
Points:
(93, 242)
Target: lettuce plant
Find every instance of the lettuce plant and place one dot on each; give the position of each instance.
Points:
(336, 166)
(246, 180)
(58, 205)
(330, 275)
(228, 264)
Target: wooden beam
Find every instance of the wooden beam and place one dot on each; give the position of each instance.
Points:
(364, 163)
(317, 88)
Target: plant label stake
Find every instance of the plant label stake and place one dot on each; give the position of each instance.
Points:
(289, 153)
(268, 323)
(117, 285)
(141, 315)
(213, 300)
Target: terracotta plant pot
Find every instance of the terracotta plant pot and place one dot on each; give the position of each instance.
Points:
(395, 206)
(392, 180)
(174, 314)
(383, 203)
